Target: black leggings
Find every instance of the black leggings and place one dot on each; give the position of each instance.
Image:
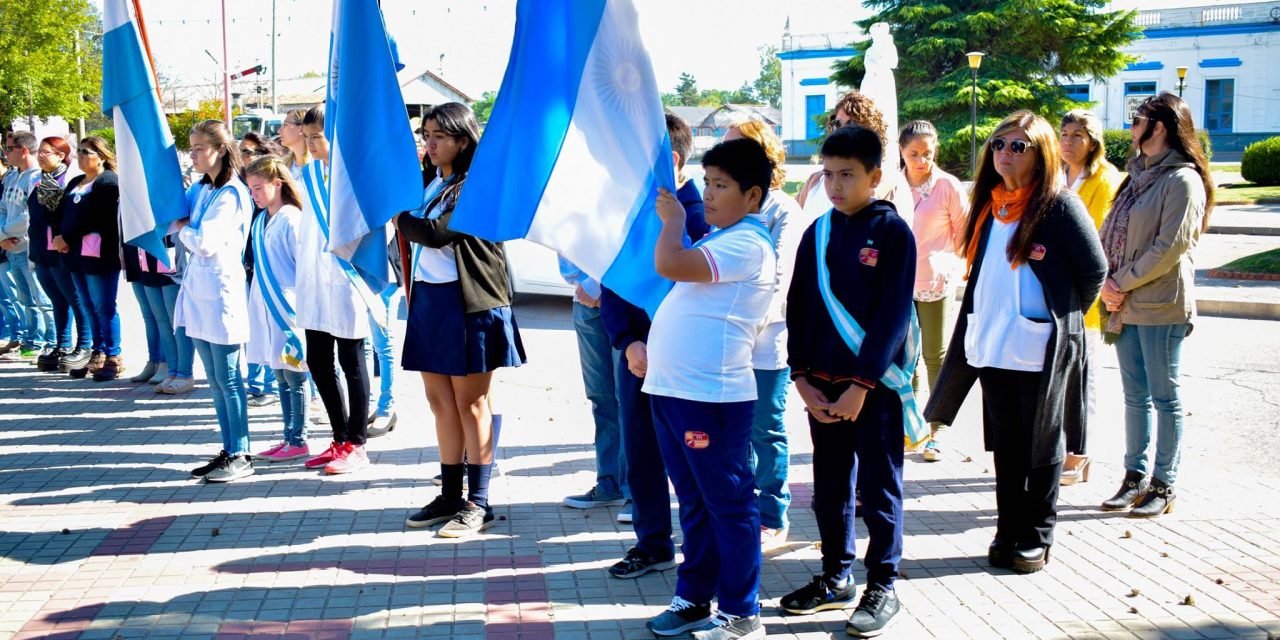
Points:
(350, 419)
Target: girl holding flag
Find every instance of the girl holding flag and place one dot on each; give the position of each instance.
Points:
(460, 325)
(211, 303)
(275, 340)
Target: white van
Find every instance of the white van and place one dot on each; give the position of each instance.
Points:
(260, 121)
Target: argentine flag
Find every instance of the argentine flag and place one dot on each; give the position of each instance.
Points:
(577, 146)
(151, 191)
(373, 162)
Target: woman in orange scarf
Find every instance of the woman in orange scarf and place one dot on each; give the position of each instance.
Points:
(1035, 266)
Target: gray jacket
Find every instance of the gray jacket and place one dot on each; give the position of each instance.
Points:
(14, 217)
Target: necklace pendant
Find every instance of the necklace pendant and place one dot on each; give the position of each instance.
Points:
(1003, 212)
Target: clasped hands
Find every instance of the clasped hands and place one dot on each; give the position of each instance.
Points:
(847, 407)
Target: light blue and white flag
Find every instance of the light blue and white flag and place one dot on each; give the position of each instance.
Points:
(151, 191)
(576, 146)
(374, 172)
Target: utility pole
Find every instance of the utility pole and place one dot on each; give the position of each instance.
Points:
(275, 105)
(226, 69)
(79, 121)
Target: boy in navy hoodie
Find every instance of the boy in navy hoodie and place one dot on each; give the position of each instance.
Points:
(628, 329)
(867, 273)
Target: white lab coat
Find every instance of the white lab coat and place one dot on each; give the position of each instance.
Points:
(329, 301)
(212, 304)
(280, 243)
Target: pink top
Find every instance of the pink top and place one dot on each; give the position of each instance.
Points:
(941, 213)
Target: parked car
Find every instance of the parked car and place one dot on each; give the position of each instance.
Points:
(535, 269)
(262, 122)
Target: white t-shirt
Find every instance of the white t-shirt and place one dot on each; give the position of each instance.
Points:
(787, 223)
(433, 265)
(1010, 324)
(701, 339)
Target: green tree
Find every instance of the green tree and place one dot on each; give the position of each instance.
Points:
(39, 71)
(180, 124)
(484, 106)
(768, 87)
(1030, 45)
(687, 90)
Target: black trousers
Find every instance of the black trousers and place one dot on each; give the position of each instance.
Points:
(350, 417)
(1026, 496)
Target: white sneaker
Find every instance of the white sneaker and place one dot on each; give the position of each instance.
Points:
(624, 514)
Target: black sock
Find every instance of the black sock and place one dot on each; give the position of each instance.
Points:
(478, 484)
(451, 481)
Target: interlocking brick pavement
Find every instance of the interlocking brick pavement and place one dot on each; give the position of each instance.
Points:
(104, 535)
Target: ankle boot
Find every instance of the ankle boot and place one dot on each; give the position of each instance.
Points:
(1157, 501)
(1134, 485)
(146, 373)
(111, 369)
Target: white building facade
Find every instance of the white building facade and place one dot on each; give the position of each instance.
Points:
(1231, 51)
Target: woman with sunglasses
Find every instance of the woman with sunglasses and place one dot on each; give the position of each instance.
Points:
(1162, 208)
(1034, 267)
(295, 143)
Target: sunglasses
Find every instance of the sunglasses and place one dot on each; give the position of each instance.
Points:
(1017, 147)
(1138, 118)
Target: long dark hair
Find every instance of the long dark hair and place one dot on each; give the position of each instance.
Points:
(102, 148)
(456, 120)
(1175, 115)
(1048, 175)
(220, 137)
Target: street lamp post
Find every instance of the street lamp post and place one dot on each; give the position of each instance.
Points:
(975, 61)
(1182, 80)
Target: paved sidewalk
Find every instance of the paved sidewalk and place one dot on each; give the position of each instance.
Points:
(104, 535)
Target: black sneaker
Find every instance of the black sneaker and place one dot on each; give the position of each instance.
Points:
(48, 360)
(232, 468)
(876, 609)
(469, 520)
(818, 596)
(637, 563)
(436, 511)
(204, 469)
(679, 618)
(730, 627)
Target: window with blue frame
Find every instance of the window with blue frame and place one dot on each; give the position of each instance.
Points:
(814, 107)
(1134, 94)
(1077, 92)
(1219, 104)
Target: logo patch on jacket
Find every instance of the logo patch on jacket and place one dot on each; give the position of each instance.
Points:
(697, 439)
(1037, 252)
(869, 256)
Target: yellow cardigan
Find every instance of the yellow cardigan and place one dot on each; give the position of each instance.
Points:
(1097, 191)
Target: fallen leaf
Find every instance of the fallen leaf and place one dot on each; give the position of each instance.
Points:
(1135, 592)
(66, 531)
(986, 471)
(967, 459)
(1127, 534)
(1164, 554)
(1133, 609)
(903, 574)
(1190, 601)
(1220, 581)
(215, 531)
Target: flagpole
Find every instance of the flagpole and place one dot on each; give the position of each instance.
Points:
(146, 46)
(226, 64)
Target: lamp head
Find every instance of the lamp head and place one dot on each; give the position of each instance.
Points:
(975, 59)
(1182, 73)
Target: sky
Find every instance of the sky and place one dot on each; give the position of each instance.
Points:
(715, 40)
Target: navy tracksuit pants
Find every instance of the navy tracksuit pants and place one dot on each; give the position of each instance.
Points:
(868, 451)
(646, 474)
(705, 447)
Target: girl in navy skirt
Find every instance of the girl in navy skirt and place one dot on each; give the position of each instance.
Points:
(460, 325)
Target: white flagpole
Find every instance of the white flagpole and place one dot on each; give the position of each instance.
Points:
(226, 64)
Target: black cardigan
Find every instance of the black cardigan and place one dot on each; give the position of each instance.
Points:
(97, 212)
(1071, 273)
(482, 265)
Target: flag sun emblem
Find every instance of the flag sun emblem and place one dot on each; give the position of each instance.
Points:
(623, 76)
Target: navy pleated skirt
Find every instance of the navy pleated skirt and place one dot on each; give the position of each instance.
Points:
(441, 338)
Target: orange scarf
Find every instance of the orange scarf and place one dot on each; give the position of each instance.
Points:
(1012, 203)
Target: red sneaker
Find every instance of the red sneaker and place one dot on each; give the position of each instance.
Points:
(325, 457)
(351, 458)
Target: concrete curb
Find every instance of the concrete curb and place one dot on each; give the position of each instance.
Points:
(1245, 309)
(1238, 275)
(1246, 231)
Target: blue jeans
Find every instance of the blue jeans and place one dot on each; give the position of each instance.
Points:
(293, 404)
(149, 322)
(261, 380)
(168, 343)
(718, 512)
(98, 292)
(185, 351)
(57, 283)
(230, 402)
(596, 356)
(15, 324)
(384, 355)
(769, 459)
(39, 311)
(646, 473)
(1149, 358)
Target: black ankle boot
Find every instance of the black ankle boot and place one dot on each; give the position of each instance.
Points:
(1134, 485)
(1157, 501)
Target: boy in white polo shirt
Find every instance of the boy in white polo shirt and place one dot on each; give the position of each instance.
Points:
(703, 390)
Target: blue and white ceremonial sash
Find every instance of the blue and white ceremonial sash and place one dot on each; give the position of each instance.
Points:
(294, 353)
(318, 191)
(421, 214)
(202, 206)
(896, 378)
(752, 223)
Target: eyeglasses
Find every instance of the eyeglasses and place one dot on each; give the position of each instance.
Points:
(834, 124)
(1017, 147)
(9, 148)
(1137, 117)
